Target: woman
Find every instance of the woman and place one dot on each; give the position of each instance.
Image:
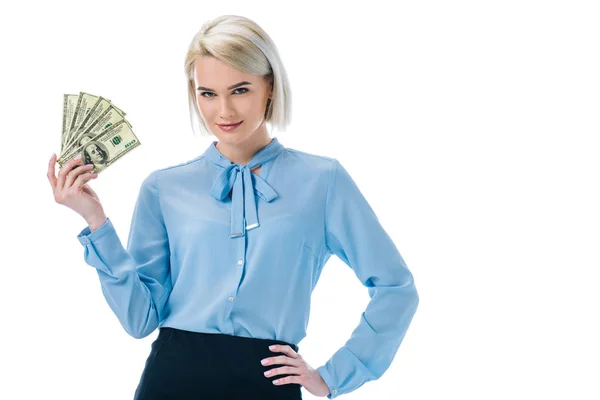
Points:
(224, 250)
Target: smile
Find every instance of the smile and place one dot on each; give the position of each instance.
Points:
(229, 128)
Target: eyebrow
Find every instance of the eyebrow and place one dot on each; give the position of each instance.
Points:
(230, 87)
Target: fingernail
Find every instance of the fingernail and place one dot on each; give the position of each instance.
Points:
(272, 347)
(78, 157)
(264, 362)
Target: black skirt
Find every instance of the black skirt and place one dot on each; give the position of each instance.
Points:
(203, 366)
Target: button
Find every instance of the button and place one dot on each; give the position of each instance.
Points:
(240, 261)
(230, 298)
(85, 240)
(334, 391)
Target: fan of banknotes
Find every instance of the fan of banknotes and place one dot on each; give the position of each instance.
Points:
(96, 129)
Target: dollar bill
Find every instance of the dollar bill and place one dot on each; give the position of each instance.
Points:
(109, 117)
(85, 102)
(99, 107)
(96, 112)
(119, 110)
(69, 104)
(106, 148)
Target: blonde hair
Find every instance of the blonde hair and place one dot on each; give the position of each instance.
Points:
(242, 44)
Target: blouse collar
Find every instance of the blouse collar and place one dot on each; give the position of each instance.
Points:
(237, 177)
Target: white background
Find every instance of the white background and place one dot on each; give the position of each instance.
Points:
(471, 127)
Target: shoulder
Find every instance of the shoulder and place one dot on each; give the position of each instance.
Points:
(177, 170)
(311, 162)
(181, 167)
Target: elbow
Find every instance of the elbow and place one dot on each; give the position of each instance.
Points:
(415, 302)
(139, 328)
(139, 334)
(414, 297)
(409, 297)
(135, 335)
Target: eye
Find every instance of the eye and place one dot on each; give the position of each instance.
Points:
(203, 93)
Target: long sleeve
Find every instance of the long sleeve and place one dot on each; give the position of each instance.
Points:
(136, 281)
(353, 233)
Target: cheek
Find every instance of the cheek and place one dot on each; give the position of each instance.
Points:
(204, 110)
(249, 108)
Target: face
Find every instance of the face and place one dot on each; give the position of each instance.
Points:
(222, 103)
(94, 153)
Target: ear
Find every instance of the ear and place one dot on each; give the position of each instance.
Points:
(271, 81)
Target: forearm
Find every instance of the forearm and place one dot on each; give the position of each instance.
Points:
(125, 283)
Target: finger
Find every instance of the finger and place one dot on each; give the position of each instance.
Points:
(282, 371)
(288, 379)
(82, 179)
(283, 360)
(286, 349)
(72, 175)
(66, 168)
(51, 172)
(79, 176)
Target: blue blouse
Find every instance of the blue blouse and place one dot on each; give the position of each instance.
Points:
(215, 248)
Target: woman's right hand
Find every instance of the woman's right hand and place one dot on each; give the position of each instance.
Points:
(70, 188)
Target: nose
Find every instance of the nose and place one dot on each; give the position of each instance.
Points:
(226, 109)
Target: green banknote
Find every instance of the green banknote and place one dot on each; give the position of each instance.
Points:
(96, 129)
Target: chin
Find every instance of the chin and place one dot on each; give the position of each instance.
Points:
(230, 136)
(234, 137)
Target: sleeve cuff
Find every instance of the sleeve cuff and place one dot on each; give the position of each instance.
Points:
(333, 392)
(86, 237)
(104, 250)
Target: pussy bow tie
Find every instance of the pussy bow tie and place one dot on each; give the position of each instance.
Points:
(237, 177)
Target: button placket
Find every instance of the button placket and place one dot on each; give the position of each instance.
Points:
(241, 251)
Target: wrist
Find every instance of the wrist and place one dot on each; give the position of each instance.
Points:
(96, 221)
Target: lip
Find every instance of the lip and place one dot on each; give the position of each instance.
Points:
(237, 123)
(229, 128)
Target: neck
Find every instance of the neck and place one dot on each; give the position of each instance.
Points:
(242, 153)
